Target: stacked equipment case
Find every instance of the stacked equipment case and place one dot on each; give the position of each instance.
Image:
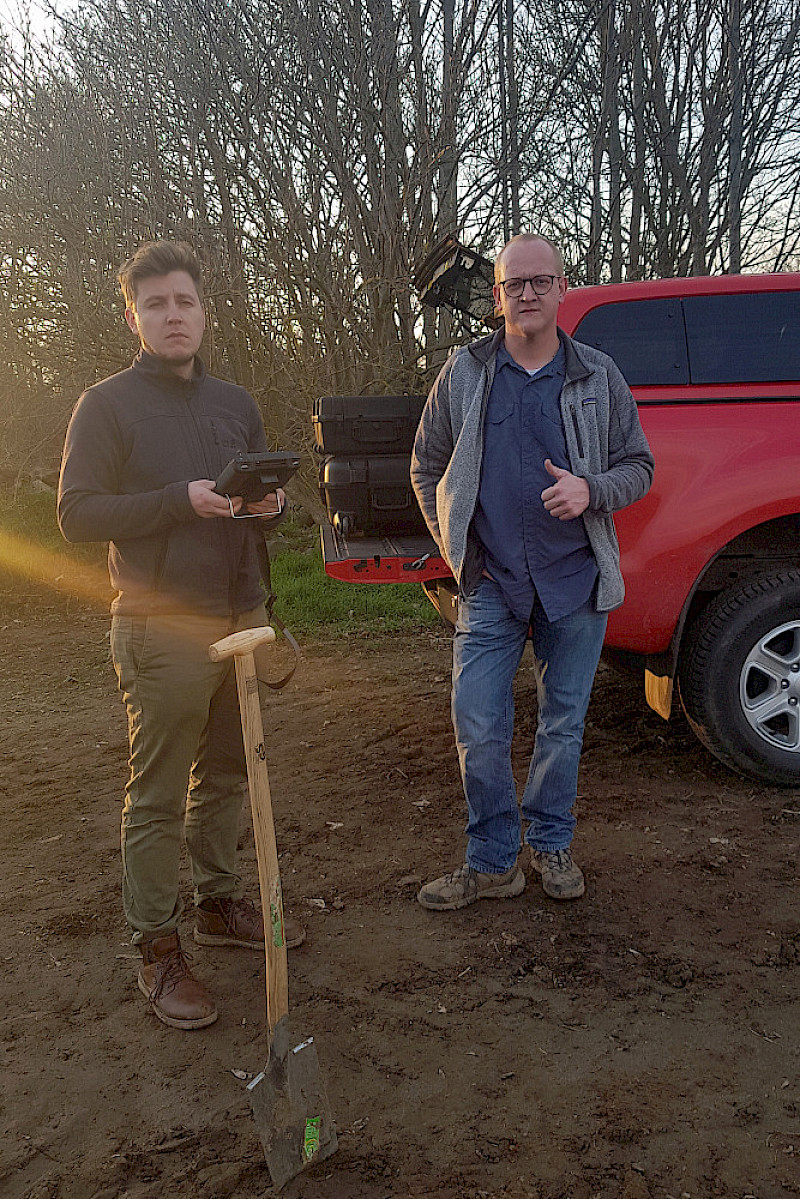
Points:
(364, 475)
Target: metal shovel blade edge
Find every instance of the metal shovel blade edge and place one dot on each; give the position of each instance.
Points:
(290, 1108)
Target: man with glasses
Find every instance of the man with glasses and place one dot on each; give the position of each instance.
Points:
(528, 443)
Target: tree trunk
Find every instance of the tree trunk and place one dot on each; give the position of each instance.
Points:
(737, 112)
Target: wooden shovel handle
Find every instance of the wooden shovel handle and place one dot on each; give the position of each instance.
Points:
(243, 642)
(240, 646)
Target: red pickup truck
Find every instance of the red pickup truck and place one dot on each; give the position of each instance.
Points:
(711, 556)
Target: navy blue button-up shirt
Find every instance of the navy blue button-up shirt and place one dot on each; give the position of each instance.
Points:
(528, 551)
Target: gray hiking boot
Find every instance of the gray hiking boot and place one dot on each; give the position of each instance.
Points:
(561, 877)
(465, 885)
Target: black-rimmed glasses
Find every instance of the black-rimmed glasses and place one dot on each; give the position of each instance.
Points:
(541, 285)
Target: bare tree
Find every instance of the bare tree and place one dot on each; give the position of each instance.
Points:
(314, 153)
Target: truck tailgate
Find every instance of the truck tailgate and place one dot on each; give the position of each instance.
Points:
(392, 558)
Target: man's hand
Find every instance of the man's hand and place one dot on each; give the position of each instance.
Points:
(207, 503)
(569, 495)
(272, 504)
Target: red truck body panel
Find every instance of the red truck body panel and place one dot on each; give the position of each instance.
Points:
(721, 469)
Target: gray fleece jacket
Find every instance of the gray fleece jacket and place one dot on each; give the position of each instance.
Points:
(605, 443)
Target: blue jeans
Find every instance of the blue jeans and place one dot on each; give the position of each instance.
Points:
(487, 649)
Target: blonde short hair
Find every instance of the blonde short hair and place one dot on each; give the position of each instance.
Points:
(522, 237)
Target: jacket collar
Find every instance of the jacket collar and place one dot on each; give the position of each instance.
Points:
(485, 348)
(575, 365)
(155, 370)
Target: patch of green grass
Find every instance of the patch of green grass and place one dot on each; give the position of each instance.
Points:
(309, 600)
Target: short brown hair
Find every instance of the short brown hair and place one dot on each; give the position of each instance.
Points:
(159, 258)
(559, 257)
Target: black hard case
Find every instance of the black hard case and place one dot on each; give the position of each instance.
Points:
(366, 424)
(371, 494)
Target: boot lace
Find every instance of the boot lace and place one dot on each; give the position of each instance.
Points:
(171, 970)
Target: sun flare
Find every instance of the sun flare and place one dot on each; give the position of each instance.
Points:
(27, 560)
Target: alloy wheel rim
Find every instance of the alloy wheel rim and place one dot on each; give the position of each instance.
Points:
(769, 687)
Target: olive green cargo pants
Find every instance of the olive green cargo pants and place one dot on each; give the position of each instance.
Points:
(187, 767)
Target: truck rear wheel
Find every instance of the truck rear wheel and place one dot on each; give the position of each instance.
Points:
(739, 678)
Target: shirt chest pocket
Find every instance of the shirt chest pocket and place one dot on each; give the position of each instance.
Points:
(500, 409)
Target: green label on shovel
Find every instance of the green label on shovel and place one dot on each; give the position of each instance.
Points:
(311, 1140)
(277, 925)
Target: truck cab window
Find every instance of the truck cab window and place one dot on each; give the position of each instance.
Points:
(644, 337)
(745, 338)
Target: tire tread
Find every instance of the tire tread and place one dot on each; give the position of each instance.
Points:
(698, 660)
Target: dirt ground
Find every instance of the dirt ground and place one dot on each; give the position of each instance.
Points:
(641, 1043)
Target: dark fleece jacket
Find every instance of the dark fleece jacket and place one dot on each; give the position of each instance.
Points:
(134, 443)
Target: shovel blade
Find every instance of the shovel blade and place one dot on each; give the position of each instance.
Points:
(290, 1108)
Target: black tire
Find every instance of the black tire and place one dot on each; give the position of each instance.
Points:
(739, 678)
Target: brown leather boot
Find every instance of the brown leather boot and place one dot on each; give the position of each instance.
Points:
(176, 997)
(238, 922)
